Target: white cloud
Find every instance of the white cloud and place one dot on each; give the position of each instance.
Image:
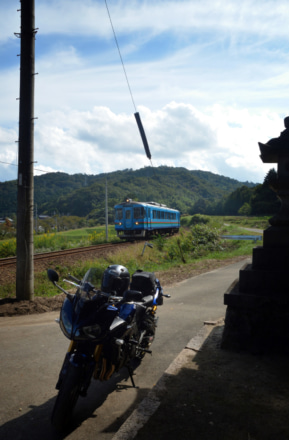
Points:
(90, 17)
(222, 140)
(8, 154)
(9, 20)
(209, 79)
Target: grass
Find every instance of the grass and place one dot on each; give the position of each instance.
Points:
(86, 236)
(62, 240)
(166, 254)
(248, 222)
(152, 260)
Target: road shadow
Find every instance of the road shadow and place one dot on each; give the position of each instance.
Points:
(35, 424)
(223, 395)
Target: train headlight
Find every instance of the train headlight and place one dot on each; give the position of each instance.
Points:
(136, 223)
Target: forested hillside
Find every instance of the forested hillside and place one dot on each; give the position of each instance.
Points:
(259, 200)
(83, 195)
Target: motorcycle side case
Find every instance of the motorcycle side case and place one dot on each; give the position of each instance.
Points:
(144, 282)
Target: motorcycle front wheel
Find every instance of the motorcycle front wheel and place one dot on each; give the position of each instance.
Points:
(67, 398)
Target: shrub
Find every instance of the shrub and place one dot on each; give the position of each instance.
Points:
(200, 240)
(205, 236)
(185, 221)
(8, 248)
(159, 242)
(198, 219)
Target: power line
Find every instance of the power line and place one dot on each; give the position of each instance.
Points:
(36, 169)
(136, 114)
(116, 42)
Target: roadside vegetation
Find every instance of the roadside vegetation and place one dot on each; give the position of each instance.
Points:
(199, 239)
(53, 241)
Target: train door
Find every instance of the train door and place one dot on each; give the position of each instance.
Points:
(149, 219)
(128, 217)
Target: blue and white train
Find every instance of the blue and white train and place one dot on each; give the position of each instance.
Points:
(142, 220)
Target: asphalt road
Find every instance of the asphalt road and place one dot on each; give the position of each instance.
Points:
(32, 350)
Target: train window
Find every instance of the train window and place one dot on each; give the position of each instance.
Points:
(162, 214)
(118, 214)
(127, 214)
(138, 212)
(158, 214)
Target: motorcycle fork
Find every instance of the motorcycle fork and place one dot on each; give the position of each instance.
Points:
(153, 313)
(106, 370)
(71, 348)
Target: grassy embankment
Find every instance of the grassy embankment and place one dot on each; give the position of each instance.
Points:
(61, 240)
(198, 240)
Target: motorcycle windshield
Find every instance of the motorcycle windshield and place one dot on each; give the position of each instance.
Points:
(88, 290)
(89, 309)
(93, 275)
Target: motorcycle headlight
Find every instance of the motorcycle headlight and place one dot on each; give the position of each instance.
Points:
(65, 324)
(92, 331)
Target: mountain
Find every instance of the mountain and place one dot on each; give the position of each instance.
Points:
(83, 195)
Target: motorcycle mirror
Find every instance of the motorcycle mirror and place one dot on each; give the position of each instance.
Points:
(52, 276)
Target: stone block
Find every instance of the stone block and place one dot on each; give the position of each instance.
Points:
(276, 237)
(263, 282)
(254, 323)
(270, 258)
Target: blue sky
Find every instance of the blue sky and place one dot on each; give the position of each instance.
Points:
(209, 79)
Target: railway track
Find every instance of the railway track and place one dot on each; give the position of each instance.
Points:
(11, 261)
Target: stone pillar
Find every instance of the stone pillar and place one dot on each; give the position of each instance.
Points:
(257, 316)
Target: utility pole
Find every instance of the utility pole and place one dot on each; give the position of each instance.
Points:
(25, 184)
(106, 212)
(36, 220)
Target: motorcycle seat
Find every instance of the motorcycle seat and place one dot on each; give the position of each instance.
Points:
(137, 297)
(132, 295)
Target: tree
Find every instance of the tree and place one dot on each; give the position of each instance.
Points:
(245, 209)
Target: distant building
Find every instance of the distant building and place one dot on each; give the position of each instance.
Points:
(3, 220)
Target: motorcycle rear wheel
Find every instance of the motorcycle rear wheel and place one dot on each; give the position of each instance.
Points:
(67, 398)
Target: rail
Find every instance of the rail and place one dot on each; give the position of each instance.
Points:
(9, 261)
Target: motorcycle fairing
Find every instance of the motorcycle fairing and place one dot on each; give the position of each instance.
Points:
(88, 313)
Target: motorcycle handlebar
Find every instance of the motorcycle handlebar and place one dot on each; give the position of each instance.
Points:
(109, 296)
(76, 280)
(166, 295)
(95, 291)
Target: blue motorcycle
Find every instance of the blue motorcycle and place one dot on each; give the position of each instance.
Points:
(108, 328)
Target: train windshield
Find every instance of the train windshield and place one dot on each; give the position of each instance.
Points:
(118, 214)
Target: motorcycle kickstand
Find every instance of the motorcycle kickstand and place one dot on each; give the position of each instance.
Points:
(130, 371)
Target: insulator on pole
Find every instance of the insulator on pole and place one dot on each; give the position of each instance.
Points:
(143, 135)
